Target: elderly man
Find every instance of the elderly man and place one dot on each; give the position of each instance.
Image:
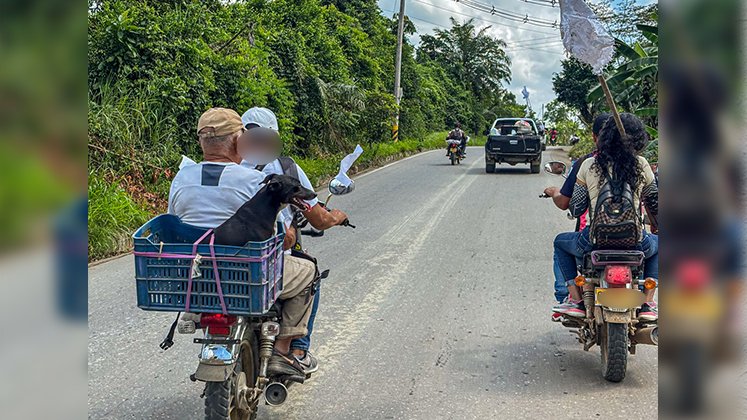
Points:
(208, 193)
(259, 146)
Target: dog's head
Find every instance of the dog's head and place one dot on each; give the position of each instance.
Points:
(289, 191)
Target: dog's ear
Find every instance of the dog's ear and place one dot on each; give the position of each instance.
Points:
(268, 179)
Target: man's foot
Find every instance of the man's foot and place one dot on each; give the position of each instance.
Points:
(285, 365)
(571, 307)
(308, 362)
(649, 312)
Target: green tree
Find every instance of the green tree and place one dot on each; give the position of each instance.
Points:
(572, 86)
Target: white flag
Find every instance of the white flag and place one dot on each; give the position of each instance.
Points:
(584, 36)
(346, 164)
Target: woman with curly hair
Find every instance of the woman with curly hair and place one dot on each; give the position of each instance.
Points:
(617, 156)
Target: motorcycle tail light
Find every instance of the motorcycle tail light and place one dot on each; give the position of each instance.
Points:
(694, 274)
(218, 324)
(649, 284)
(618, 275)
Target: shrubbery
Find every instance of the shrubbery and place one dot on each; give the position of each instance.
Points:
(324, 66)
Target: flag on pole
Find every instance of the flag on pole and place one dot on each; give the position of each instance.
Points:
(525, 93)
(583, 35)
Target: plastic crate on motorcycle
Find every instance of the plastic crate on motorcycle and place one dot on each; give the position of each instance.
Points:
(250, 276)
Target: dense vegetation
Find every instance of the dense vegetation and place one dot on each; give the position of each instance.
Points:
(326, 67)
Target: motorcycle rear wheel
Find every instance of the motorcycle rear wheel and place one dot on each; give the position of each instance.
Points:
(220, 401)
(453, 159)
(614, 349)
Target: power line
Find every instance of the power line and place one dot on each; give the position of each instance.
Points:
(483, 19)
(527, 42)
(509, 15)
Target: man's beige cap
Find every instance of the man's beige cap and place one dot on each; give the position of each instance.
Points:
(217, 122)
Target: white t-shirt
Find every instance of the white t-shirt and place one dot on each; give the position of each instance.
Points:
(276, 168)
(206, 194)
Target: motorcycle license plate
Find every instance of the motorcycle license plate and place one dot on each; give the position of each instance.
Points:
(618, 298)
(704, 306)
(454, 149)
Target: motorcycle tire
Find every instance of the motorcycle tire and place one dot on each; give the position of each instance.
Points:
(220, 396)
(614, 349)
(453, 159)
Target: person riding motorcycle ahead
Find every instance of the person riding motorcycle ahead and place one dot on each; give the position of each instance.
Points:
(206, 194)
(258, 147)
(617, 156)
(458, 134)
(561, 197)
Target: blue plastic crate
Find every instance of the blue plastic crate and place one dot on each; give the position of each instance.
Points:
(249, 288)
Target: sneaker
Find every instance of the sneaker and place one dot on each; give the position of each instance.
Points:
(308, 363)
(571, 307)
(649, 312)
(556, 317)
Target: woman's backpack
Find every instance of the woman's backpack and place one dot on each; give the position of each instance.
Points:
(617, 223)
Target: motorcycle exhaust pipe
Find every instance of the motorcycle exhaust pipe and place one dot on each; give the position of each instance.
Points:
(275, 394)
(648, 335)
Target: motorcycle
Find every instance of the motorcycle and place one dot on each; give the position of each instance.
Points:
(610, 283)
(235, 354)
(455, 154)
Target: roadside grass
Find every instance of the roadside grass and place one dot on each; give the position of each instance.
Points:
(112, 217)
(113, 214)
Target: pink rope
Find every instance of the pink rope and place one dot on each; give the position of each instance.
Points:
(189, 272)
(215, 259)
(217, 276)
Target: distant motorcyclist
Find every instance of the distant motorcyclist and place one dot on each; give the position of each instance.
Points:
(553, 136)
(458, 134)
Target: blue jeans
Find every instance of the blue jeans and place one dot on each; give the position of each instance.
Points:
(304, 343)
(570, 248)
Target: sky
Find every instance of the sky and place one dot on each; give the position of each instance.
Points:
(535, 52)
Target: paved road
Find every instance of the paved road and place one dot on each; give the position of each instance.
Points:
(437, 308)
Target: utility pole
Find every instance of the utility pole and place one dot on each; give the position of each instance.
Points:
(398, 67)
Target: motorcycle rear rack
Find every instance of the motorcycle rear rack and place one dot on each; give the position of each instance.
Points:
(609, 257)
(220, 341)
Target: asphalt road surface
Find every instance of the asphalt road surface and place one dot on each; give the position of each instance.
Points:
(437, 307)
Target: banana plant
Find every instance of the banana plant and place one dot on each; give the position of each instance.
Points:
(633, 81)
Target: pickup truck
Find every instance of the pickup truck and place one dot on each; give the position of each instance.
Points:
(512, 143)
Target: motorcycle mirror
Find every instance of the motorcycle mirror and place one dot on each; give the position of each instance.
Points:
(556, 168)
(338, 188)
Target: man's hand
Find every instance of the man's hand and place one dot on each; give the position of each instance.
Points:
(321, 219)
(551, 191)
(290, 238)
(339, 216)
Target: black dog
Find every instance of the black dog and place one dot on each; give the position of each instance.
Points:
(255, 220)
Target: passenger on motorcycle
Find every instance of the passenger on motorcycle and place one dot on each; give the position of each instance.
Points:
(458, 134)
(208, 193)
(259, 152)
(618, 156)
(561, 197)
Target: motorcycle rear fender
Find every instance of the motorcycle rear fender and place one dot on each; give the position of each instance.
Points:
(613, 317)
(213, 373)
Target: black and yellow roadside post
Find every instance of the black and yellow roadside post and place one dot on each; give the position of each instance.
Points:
(395, 132)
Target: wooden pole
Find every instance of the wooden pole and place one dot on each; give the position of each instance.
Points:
(611, 103)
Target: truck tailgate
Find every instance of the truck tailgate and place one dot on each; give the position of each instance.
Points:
(513, 144)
